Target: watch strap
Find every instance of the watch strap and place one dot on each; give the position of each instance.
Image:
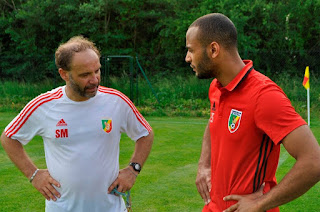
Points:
(134, 166)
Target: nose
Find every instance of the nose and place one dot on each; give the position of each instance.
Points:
(188, 58)
(95, 78)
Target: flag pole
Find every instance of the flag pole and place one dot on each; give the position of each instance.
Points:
(308, 105)
(306, 85)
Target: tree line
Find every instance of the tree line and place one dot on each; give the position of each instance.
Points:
(280, 36)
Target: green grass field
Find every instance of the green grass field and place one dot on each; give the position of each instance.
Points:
(166, 182)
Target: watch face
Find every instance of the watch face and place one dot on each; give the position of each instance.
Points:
(137, 167)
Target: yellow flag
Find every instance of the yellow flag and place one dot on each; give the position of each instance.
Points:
(306, 80)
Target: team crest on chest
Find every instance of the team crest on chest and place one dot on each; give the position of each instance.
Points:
(234, 120)
(107, 125)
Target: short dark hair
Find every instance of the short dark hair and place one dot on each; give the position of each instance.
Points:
(65, 51)
(216, 27)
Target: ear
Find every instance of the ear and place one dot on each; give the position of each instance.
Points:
(64, 74)
(214, 49)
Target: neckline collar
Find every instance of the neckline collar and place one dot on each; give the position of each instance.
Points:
(240, 76)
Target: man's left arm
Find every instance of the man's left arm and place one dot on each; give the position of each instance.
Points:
(302, 145)
(127, 176)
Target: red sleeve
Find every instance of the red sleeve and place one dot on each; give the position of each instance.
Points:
(274, 113)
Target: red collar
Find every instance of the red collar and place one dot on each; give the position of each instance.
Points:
(240, 76)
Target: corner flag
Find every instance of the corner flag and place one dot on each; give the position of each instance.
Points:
(306, 80)
(306, 84)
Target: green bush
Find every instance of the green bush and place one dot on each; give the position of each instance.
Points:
(178, 95)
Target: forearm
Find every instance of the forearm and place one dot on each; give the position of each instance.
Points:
(302, 145)
(203, 180)
(127, 176)
(18, 156)
(205, 156)
(299, 180)
(142, 149)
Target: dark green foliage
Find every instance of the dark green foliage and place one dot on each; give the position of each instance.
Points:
(280, 36)
(179, 96)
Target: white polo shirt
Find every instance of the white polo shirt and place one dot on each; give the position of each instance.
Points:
(81, 142)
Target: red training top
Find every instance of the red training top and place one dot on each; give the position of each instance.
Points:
(249, 118)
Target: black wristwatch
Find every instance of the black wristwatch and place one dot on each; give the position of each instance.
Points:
(136, 166)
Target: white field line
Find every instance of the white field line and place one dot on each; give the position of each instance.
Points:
(177, 122)
(283, 157)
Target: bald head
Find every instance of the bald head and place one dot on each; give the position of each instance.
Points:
(216, 27)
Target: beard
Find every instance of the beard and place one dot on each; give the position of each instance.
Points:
(82, 91)
(205, 69)
(203, 72)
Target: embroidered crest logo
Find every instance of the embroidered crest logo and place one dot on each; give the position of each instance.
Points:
(234, 120)
(107, 125)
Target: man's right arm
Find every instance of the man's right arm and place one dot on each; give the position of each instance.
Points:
(203, 180)
(42, 181)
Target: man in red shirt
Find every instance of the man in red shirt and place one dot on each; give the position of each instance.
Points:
(250, 117)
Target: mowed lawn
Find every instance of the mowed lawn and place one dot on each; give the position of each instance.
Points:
(166, 182)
